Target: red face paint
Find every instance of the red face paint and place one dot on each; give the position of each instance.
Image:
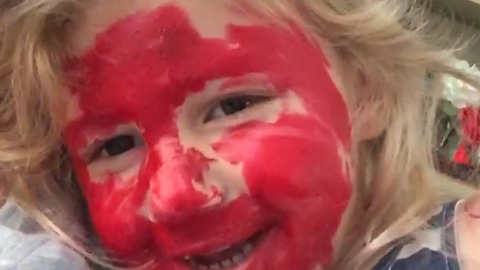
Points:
(141, 71)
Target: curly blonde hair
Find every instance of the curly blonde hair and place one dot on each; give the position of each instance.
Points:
(389, 42)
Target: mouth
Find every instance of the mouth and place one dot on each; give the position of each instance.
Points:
(227, 257)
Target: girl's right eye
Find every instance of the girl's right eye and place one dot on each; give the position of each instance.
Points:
(117, 146)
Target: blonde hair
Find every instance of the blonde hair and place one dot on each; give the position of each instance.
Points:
(389, 42)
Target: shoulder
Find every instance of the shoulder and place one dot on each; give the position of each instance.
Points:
(26, 246)
(432, 247)
(468, 238)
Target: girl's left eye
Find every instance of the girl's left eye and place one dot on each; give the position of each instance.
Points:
(233, 105)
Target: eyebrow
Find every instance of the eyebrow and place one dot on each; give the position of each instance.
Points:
(247, 79)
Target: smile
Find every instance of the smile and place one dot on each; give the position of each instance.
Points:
(226, 257)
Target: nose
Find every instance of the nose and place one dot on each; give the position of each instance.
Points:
(178, 187)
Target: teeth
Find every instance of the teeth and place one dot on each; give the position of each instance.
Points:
(226, 264)
(247, 249)
(238, 258)
(215, 267)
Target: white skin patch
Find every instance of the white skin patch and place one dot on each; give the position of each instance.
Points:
(223, 175)
(125, 169)
(294, 104)
(346, 161)
(74, 111)
(227, 178)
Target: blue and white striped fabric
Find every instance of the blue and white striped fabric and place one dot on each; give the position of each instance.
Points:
(24, 246)
(433, 247)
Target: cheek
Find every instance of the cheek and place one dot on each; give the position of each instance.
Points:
(285, 170)
(293, 161)
(115, 214)
(120, 225)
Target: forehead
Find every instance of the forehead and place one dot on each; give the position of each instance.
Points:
(209, 18)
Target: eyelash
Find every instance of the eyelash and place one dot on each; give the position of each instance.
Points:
(232, 105)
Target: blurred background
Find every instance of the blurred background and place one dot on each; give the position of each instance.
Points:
(458, 146)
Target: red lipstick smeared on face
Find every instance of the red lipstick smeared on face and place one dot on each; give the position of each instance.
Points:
(141, 70)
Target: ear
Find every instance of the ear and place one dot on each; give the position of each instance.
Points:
(371, 112)
(370, 120)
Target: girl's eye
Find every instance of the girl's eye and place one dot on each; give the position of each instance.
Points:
(233, 105)
(118, 145)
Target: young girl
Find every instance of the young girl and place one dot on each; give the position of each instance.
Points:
(232, 134)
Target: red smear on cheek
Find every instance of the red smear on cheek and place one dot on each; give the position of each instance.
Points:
(295, 166)
(144, 67)
(312, 168)
(109, 205)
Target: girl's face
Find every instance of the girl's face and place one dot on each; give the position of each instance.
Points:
(204, 141)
